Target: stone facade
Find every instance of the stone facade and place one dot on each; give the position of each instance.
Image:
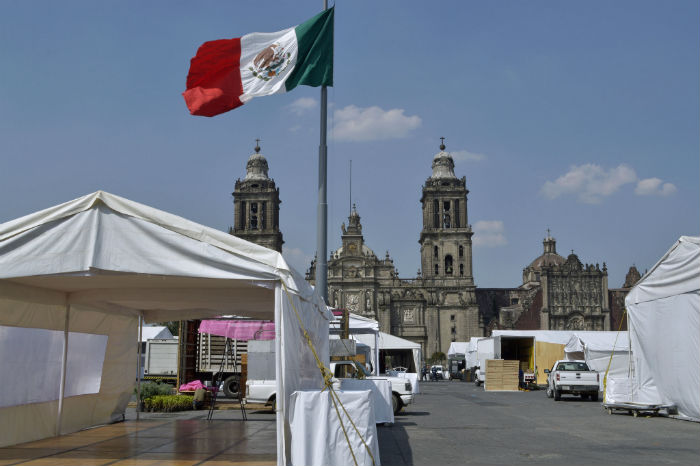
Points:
(556, 294)
(256, 205)
(435, 308)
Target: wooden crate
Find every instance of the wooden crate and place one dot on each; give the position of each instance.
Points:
(501, 375)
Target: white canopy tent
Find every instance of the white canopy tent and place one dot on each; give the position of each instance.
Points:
(75, 279)
(664, 322)
(391, 342)
(598, 348)
(360, 325)
(458, 347)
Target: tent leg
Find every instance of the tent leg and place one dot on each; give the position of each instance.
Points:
(376, 353)
(64, 366)
(280, 400)
(138, 370)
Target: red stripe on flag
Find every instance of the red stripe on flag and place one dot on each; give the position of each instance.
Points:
(214, 80)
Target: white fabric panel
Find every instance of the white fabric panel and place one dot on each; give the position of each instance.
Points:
(30, 358)
(381, 394)
(671, 365)
(317, 437)
(297, 365)
(619, 390)
(34, 421)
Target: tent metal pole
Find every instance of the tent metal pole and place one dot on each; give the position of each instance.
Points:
(64, 367)
(376, 353)
(138, 370)
(279, 370)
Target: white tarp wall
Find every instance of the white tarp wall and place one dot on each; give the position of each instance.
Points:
(472, 357)
(93, 265)
(664, 322)
(598, 348)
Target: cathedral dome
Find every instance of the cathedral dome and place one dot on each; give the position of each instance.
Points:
(443, 165)
(549, 257)
(256, 168)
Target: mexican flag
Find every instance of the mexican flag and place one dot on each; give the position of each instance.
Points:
(227, 73)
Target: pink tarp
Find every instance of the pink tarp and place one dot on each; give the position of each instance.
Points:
(239, 329)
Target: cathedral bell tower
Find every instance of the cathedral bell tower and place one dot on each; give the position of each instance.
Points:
(256, 203)
(446, 238)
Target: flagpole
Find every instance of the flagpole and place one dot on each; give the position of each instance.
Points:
(322, 215)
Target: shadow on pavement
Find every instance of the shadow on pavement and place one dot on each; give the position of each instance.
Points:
(394, 446)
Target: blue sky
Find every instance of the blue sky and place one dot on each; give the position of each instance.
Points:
(581, 117)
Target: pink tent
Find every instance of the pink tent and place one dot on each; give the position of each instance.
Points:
(239, 329)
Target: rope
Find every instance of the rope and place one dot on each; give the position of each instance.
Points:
(328, 383)
(605, 377)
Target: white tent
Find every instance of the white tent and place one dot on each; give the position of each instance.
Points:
(391, 342)
(458, 347)
(598, 348)
(360, 325)
(664, 322)
(74, 280)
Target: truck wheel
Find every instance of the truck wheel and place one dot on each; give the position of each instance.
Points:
(550, 393)
(557, 395)
(396, 403)
(232, 385)
(477, 382)
(274, 404)
(594, 396)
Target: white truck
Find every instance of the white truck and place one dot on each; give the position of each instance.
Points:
(572, 378)
(263, 390)
(514, 348)
(160, 360)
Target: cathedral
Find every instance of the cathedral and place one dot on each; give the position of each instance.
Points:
(441, 304)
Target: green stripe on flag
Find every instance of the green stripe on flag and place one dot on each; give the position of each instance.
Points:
(314, 65)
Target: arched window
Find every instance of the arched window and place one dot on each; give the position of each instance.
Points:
(254, 216)
(461, 251)
(436, 213)
(448, 265)
(461, 269)
(435, 252)
(436, 269)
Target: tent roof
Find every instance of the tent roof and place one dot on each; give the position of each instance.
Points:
(122, 256)
(598, 341)
(458, 347)
(358, 324)
(560, 337)
(676, 273)
(387, 341)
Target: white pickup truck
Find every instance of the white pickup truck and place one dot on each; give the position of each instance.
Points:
(572, 378)
(263, 391)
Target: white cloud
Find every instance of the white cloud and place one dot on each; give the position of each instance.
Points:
(591, 183)
(466, 156)
(489, 233)
(303, 105)
(297, 258)
(654, 187)
(353, 123)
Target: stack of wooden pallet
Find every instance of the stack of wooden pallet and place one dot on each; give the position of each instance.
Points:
(501, 375)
